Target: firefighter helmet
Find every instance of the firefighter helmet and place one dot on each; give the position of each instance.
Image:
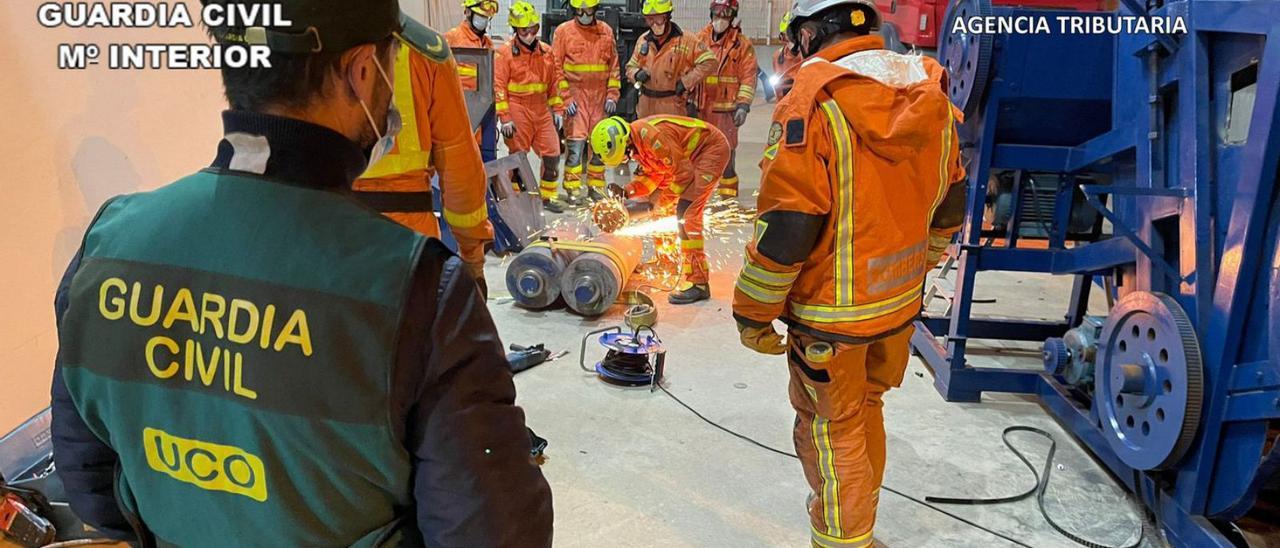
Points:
(522, 15)
(725, 6)
(583, 4)
(786, 22)
(609, 140)
(486, 8)
(656, 7)
(860, 16)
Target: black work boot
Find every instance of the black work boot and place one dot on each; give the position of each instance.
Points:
(595, 194)
(552, 205)
(691, 294)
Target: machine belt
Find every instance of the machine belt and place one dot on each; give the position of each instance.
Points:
(647, 92)
(397, 202)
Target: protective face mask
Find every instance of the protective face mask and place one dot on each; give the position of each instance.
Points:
(719, 25)
(586, 19)
(528, 40)
(480, 22)
(387, 136)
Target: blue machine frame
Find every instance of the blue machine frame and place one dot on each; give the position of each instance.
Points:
(1191, 178)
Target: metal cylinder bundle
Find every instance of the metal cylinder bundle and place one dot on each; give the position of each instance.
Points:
(592, 282)
(533, 277)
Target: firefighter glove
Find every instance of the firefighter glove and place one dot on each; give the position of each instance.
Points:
(610, 106)
(642, 76)
(508, 129)
(762, 339)
(740, 115)
(572, 108)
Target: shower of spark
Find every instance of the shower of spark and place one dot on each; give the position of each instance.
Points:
(646, 228)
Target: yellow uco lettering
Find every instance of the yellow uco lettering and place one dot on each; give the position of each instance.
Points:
(209, 466)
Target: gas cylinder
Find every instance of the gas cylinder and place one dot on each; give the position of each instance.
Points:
(592, 281)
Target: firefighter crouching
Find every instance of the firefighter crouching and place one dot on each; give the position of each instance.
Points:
(667, 64)
(435, 137)
(725, 95)
(587, 54)
(861, 175)
(680, 161)
(529, 108)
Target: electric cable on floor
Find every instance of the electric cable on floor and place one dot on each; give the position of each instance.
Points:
(883, 487)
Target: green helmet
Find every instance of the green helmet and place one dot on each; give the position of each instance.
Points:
(317, 25)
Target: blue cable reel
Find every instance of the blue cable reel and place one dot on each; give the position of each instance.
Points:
(633, 358)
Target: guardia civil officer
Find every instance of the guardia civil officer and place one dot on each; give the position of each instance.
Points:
(250, 357)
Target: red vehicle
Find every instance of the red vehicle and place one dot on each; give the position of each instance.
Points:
(916, 23)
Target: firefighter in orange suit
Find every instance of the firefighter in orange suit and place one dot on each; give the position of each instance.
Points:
(667, 64)
(436, 137)
(524, 91)
(587, 54)
(472, 32)
(861, 174)
(680, 162)
(725, 96)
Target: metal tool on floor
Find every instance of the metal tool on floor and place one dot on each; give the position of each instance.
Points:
(523, 358)
(634, 357)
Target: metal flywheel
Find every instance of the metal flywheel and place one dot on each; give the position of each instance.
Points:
(967, 56)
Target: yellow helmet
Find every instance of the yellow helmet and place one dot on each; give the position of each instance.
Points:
(785, 23)
(486, 8)
(609, 140)
(583, 4)
(655, 7)
(522, 15)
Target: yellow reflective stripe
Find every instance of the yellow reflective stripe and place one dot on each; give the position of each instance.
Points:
(844, 283)
(830, 495)
(771, 152)
(693, 142)
(944, 166)
(408, 155)
(573, 169)
(758, 274)
(760, 293)
(615, 83)
(691, 244)
(713, 79)
(564, 84)
(534, 87)
(466, 220)
(466, 70)
(839, 314)
(724, 106)
(555, 101)
(686, 122)
(746, 91)
(585, 67)
(501, 105)
(706, 56)
(827, 541)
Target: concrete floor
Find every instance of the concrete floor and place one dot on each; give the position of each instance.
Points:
(633, 468)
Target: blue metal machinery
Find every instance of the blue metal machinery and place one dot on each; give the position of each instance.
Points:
(1174, 140)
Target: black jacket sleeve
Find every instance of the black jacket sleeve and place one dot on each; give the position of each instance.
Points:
(475, 483)
(86, 465)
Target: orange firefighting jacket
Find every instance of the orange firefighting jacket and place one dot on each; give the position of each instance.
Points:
(463, 36)
(827, 259)
(436, 137)
(588, 61)
(667, 148)
(734, 81)
(677, 57)
(527, 76)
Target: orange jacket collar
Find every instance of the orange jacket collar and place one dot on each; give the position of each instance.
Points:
(845, 48)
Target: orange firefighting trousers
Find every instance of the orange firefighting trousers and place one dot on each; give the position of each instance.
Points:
(839, 430)
(724, 122)
(711, 160)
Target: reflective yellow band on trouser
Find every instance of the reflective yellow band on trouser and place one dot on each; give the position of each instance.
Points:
(691, 243)
(585, 67)
(547, 189)
(466, 220)
(820, 431)
(408, 155)
(853, 313)
(466, 70)
(828, 541)
(533, 87)
(728, 187)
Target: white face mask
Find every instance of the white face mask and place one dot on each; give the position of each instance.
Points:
(387, 136)
(719, 25)
(480, 22)
(659, 29)
(527, 40)
(585, 18)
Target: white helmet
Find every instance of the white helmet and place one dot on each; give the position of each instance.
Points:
(862, 17)
(809, 8)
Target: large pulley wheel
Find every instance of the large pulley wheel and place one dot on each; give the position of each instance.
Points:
(966, 55)
(1149, 384)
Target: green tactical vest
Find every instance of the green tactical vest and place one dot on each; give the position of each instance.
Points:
(232, 339)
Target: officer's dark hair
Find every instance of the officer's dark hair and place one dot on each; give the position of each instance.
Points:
(293, 81)
(836, 20)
